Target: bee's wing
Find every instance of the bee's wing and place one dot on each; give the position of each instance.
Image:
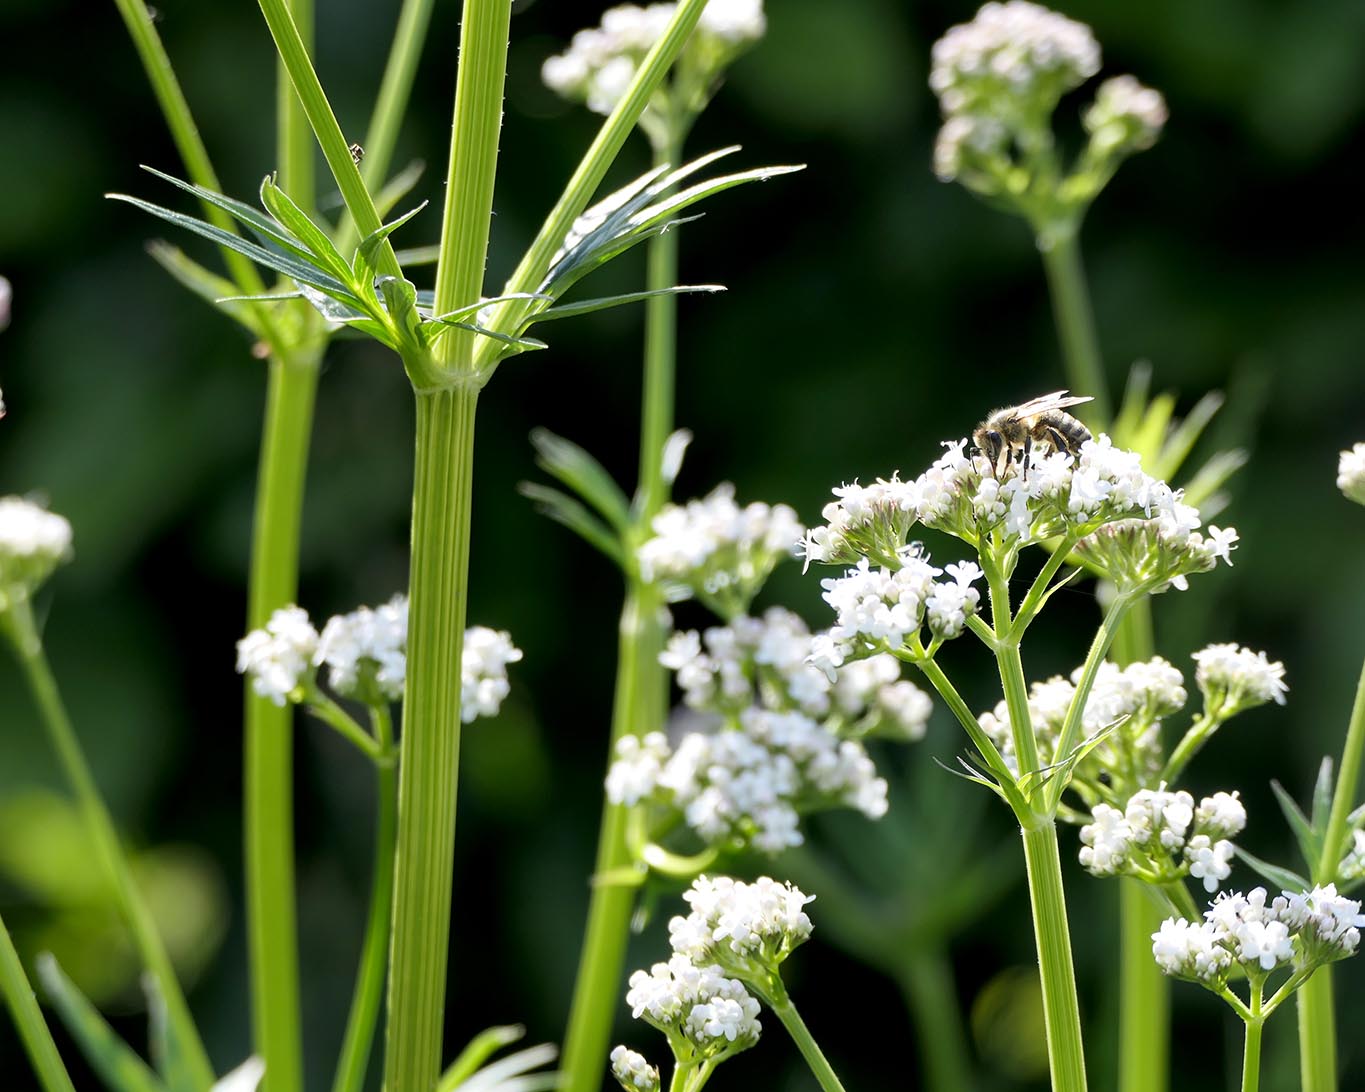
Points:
(1054, 401)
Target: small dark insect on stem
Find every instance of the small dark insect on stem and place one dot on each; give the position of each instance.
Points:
(357, 153)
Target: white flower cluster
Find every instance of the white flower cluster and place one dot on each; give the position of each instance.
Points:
(747, 928)
(633, 1072)
(33, 542)
(718, 551)
(1233, 679)
(1351, 473)
(883, 608)
(1307, 929)
(1052, 495)
(767, 661)
(365, 653)
(748, 784)
(1125, 117)
(1161, 836)
(697, 1005)
(600, 62)
(1014, 56)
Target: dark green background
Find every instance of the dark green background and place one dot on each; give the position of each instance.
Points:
(872, 312)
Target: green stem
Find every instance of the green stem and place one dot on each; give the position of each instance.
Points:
(28, 1020)
(1317, 1033)
(1075, 321)
(1010, 664)
(272, 928)
(661, 349)
(292, 138)
(1038, 590)
(1061, 1011)
(1343, 800)
(346, 726)
(431, 737)
(369, 986)
(926, 981)
(1190, 743)
(592, 169)
(638, 707)
(1144, 1000)
(18, 622)
(1251, 1059)
(805, 1042)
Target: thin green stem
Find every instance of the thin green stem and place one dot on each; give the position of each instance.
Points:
(1010, 664)
(1190, 743)
(926, 981)
(19, 625)
(346, 726)
(819, 1065)
(1144, 1000)
(431, 737)
(272, 927)
(661, 349)
(1061, 1012)
(948, 692)
(592, 169)
(1317, 1033)
(1251, 1058)
(1075, 321)
(1343, 800)
(369, 985)
(28, 1020)
(1038, 591)
(638, 707)
(336, 149)
(292, 138)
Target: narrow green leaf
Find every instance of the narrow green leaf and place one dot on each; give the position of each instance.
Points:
(297, 269)
(584, 307)
(479, 1049)
(1322, 799)
(971, 775)
(1182, 439)
(433, 328)
(426, 300)
(562, 508)
(256, 221)
(415, 256)
(1282, 878)
(113, 1060)
(1151, 434)
(369, 246)
(400, 297)
(398, 187)
(295, 220)
(1203, 487)
(168, 1052)
(512, 1073)
(1309, 843)
(572, 465)
(218, 291)
(1135, 393)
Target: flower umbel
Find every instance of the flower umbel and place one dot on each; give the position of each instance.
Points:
(33, 542)
(1351, 473)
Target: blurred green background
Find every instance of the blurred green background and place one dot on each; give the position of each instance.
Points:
(872, 312)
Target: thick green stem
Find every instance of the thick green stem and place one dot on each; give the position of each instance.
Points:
(1061, 1012)
(28, 1020)
(638, 708)
(1251, 1059)
(431, 737)
(369, 985)
(805, 1042)
(1317, 1033)
(19, 625)
(1075, 322)
(272, 928)
(1144, 1000)
(926, 981)
(661, 350)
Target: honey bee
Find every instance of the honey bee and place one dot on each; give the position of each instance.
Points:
(1009, 434)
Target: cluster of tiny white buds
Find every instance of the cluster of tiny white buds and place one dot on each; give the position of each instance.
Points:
(278, 658)
(1233, 679)
(633, 1072)
(483, 671)
(1010, 58)
(365, 651)
(1308, 929)
(601, 61)
(33, 542)
(1351, 473)
(749, 929)
(1161, 836)
(716, 550)
(1125, 117)
(715, 1015)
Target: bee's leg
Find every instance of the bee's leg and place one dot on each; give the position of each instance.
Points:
(1028, 449)
(1060, 442)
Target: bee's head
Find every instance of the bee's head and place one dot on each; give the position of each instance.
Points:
(990, 442)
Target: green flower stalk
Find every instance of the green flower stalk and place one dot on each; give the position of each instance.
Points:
(28, 1020)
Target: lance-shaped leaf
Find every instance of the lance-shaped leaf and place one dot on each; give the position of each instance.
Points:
(116, 1063)
(293, 219)
(1322, 797)
(168, 1051)
(209, 286)
(1283, 878)
(471, 1073)
(1310, 843)
(584, 307)
(573, 466)
(563, 509)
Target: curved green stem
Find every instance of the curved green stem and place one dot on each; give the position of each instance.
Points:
(424, 873)
(336, 718)
(19, 626)
(819, 1065)
(1075, 321)
(1061, 1012)
(28, 1020)
(369, 987)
